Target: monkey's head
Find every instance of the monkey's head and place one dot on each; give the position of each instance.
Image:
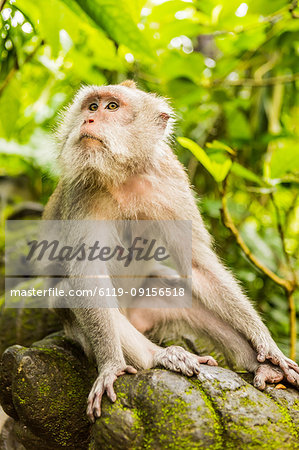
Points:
(112, 132)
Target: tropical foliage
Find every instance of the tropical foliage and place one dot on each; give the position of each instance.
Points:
(231, 70)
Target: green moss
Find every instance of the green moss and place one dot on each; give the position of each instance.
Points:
(59, 399)
(44, 388)
(260, 437)
(170, 419)
(247, 401)
(218, 425)
(287, 419)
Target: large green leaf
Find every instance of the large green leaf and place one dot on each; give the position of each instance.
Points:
(88, 45)
(218, 170)
(216, 166)
(114, 17)
(48, 19)
(134, 7)
(285, 158)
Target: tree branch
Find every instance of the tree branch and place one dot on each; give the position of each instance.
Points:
(282, 238)
(271, 18)
(2, 3)
(288, 285)
(251, 82)
(293, 324)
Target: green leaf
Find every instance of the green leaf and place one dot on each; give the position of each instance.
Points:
(218, 170)
(221, 170)
(46, 18)
(89, 46)
(285, 158)
(114, 17)
(217, 145)
(198, 152)
(242, 172)
(135, 6)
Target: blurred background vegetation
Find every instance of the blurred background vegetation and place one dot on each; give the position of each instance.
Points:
(230, 69)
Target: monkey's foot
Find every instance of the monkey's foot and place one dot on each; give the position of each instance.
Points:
(179, 360)
(268, 373)
(288, 366)
(104, 383)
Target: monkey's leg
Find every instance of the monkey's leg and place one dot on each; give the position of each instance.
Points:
(234, 345)
(237, 347)
(199, 318)
(145, 354)
(217, 289)
(144, 318)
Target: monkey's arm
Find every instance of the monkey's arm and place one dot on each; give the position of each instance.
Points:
(218, 290)
(101, 331)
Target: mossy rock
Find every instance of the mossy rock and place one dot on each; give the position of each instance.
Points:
(44, 389)
(25, 325)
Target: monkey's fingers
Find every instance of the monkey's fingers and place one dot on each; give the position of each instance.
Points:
(284, 366)
(278, 360)
(291, 373)
(93, 410)
(178, 359)
(293, 378)
(104, 383)
(130, 369)
(209, 360)
(94, 402)
(266, 373)
(127, 369)
(261, 355)
(111, 393)
(292, 365)
(291, 362)
(291, 368)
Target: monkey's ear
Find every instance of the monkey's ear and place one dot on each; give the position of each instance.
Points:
(164, 117)
(129, 84)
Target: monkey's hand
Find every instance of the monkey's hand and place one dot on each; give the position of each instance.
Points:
(104, 383)
(179, 360)
(271, 353)
(268, 373)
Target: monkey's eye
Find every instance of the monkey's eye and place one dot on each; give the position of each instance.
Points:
(112, 106)
(93, 107)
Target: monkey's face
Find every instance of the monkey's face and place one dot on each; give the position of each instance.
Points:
(113, 130)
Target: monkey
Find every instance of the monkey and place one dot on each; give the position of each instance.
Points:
(117, 163)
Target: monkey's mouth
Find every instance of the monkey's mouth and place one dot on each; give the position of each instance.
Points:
(91, 136)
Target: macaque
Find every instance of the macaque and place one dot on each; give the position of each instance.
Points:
(116, 164)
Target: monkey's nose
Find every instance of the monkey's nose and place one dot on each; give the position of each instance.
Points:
(89, 121)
